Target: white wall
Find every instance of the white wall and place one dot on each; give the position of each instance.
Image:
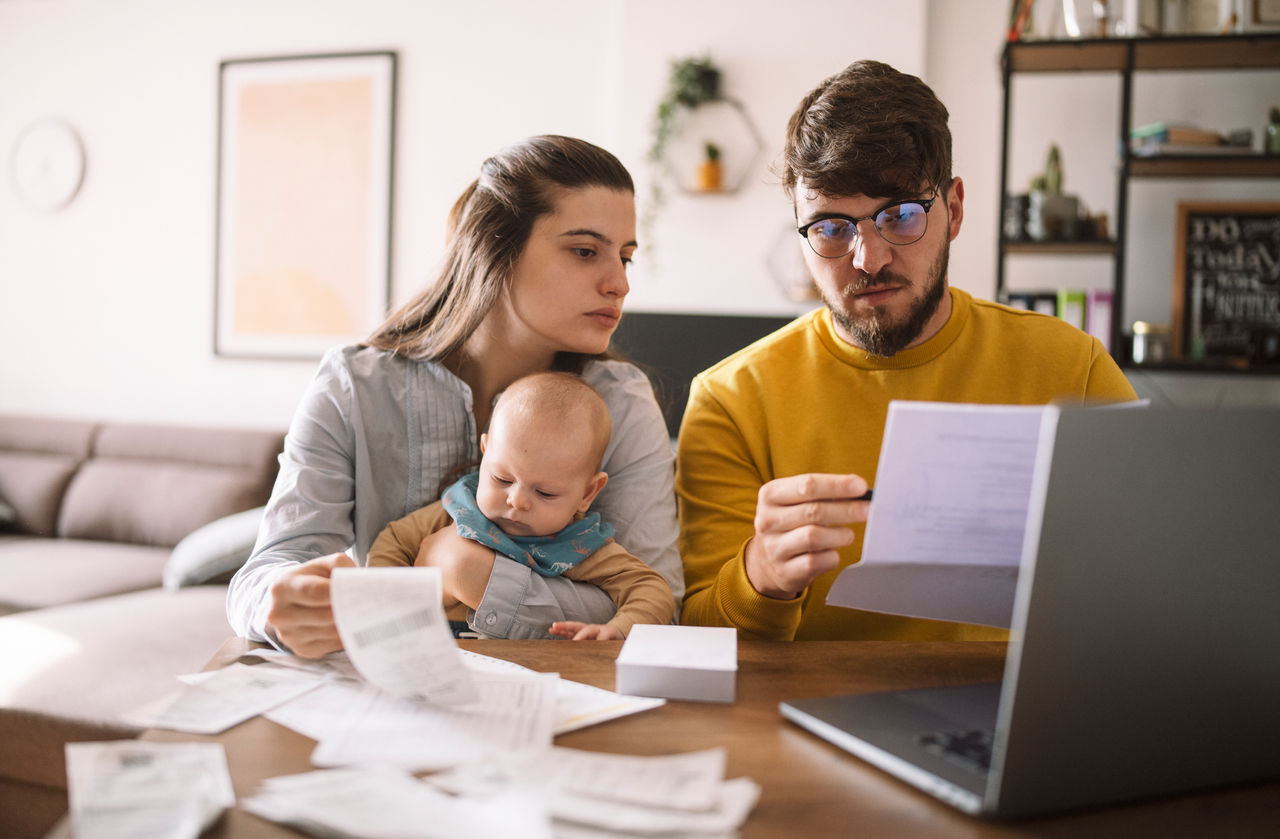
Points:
(106, 307)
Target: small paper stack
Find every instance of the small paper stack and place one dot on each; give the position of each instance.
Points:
(699, 663)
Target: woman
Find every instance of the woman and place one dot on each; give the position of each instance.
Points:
(534, 278)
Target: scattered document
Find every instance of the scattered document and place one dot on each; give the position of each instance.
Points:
(512, 713)
(338, 664)
(392, 625)
(214, 701)
(945, 531)
(689, 781)
(592, 794)
(580, 706)
(320, 713)
(381, 803)
(131, 789)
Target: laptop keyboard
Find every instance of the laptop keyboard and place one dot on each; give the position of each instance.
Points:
(970, 749)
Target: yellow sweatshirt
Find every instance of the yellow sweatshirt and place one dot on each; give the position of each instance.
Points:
(802, 400)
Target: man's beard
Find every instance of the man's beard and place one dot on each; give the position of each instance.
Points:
(875, 333)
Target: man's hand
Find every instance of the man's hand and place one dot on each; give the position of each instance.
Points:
(464, 566)
(301, 616)
(801, 523)
(579, 631)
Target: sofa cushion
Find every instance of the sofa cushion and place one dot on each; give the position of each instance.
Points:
(155, 484)
(33, 483)
(213, 553)
(46, 434)
(36, 572)
(38, 456)
(152, 503)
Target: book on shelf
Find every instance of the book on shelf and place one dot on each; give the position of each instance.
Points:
(1088, 311)
(1071, 307)
(1173, 132)
(1196, 149)
(1044, 302)
(1098, 308)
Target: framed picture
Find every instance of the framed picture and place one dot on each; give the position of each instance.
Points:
(305, 152)
(1227, 293)
(1259, 15)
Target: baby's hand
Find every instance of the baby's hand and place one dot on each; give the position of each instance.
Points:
(579, 631)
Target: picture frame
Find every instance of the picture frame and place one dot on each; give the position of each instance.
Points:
(1258, 15)
(304, 202)
(1227, 283)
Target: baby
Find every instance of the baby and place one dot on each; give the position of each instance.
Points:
(539, 473)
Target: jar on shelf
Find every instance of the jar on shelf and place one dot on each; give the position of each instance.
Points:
(1151, 342)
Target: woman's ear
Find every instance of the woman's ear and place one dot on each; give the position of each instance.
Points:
(593, 489)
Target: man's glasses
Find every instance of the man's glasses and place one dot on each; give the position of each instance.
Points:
(900, 223)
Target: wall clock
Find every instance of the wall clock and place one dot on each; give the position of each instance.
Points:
(48, 164)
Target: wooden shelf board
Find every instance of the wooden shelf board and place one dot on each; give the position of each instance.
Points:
(1061, 248)
(1205, 166)
(1183, 52)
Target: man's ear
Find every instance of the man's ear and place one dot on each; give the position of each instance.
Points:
(593, 489)
(484, 441)
(955, 207)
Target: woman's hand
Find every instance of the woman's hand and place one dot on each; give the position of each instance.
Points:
(801, 523)
(301, 616)
(464, 566)
(579, 631)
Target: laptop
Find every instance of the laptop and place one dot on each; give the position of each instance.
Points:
(1144, 656)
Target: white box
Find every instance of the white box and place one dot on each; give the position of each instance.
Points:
(679, 662)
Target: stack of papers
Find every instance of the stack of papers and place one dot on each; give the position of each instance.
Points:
(564, 792)
(129, 789)
(381, 803)
(626, 794)
(402, 694)
(403, 698)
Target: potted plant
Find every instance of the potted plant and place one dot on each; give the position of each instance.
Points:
(710, 172)
(693, 81)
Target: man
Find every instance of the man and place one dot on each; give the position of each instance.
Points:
(779, 440)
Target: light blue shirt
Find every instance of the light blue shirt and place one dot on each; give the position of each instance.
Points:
(374, 436)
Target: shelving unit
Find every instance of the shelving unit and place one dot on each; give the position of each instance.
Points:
(1126, 57)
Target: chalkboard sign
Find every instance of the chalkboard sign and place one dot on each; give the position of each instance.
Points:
(1227, 300)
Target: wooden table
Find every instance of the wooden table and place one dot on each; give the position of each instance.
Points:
(810, 788)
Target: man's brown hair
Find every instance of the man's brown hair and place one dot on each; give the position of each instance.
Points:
(868, 130)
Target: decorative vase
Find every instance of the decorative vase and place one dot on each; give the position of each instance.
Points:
(1052, 216)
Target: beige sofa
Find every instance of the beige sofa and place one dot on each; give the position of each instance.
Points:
(116, 541)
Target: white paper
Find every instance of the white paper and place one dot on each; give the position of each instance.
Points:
(512, 713)
(735, 800)
(689, 781)
(953, 484)
(338, 664)
(592, 794)
(326, 710)
(945, 531)
(392, 625)
(580, 706)
(133, 789)
(381, 803)
(214, 701)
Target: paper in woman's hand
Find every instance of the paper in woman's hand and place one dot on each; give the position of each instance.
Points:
(393, 628)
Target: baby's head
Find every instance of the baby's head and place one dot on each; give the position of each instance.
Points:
(542, 454)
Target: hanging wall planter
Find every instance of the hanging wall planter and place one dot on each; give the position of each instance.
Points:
(703, 141)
